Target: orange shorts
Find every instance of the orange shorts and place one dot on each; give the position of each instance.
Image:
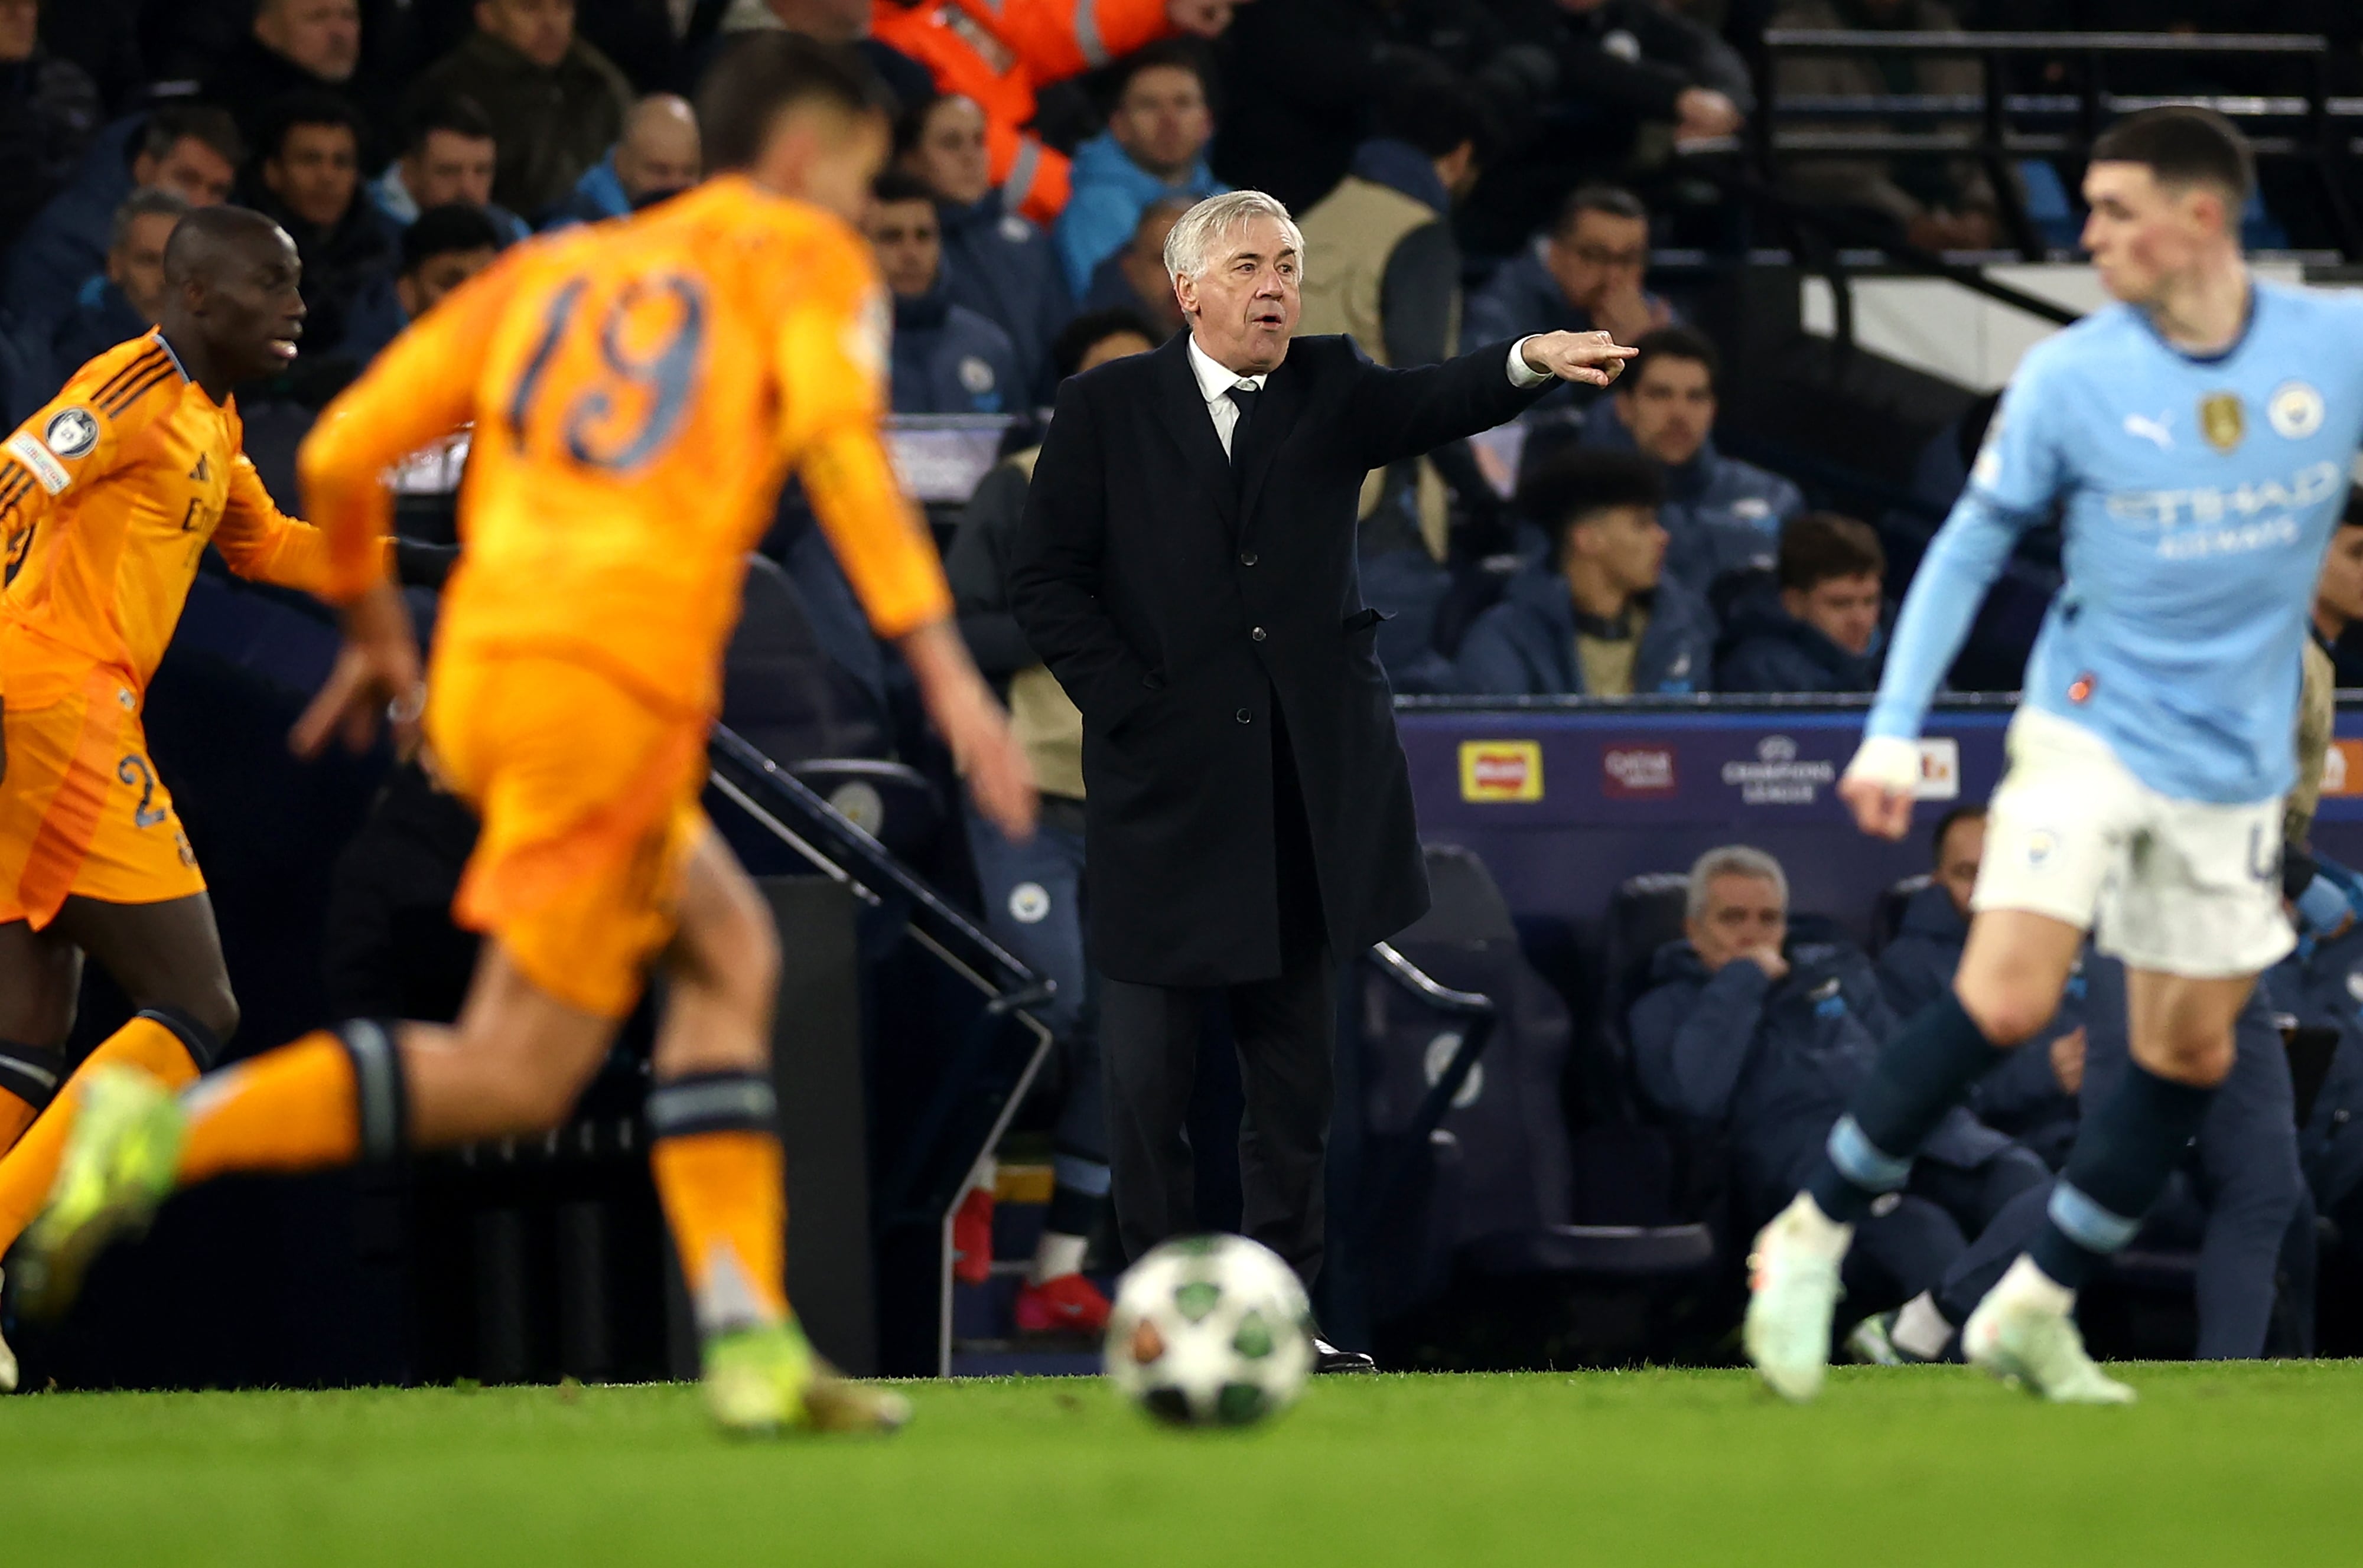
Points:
(82, 811)
(589, 801)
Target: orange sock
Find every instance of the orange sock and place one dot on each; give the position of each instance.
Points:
(29, 1078)
(724, 1195)
(31, 1167)
(291, 1109)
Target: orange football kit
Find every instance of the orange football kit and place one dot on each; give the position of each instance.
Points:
(108, 496)
(639, 390)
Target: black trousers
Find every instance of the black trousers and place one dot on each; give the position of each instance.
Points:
(1286, 1029)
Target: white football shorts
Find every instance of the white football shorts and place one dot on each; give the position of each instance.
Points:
(2179, 887)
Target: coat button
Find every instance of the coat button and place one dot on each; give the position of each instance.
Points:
(1245, 717)
(1257, 633)
(1247, 557)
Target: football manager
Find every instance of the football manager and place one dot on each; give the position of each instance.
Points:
(1185, 567)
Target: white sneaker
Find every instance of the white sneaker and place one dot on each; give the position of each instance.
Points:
(1792, 1279)
(7, 1359)
(2037, 1347)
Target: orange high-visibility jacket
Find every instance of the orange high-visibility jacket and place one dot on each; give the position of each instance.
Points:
(998, 51)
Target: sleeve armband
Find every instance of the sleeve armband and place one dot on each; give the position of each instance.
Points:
(26, 449)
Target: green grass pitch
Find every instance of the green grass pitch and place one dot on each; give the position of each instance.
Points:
(2236, 1466)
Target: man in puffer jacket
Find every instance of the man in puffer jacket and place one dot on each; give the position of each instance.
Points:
(1600, 619)
(1762, 1039)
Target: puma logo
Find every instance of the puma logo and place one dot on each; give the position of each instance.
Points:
(2158, 430)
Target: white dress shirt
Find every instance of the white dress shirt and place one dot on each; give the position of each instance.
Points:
(1215, 382)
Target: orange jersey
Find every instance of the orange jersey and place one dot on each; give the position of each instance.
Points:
(108, 496)
(639, 390)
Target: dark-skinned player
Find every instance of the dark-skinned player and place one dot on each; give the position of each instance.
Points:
(108, 497)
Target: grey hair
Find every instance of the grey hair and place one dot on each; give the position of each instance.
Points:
(146, 202)
(1734, 860)
(1195, 234)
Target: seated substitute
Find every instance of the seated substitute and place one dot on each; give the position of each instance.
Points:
(1821, 630)
(945, 357)
(1720, 515)
(2031, 1095)
(1764, 1039)
(1600, 619)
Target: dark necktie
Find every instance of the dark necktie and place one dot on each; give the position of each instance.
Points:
(1245, 399)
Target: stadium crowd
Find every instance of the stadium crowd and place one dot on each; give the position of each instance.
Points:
(1466, 172)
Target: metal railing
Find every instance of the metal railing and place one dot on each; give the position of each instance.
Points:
(1996, 126)
(950, 1139)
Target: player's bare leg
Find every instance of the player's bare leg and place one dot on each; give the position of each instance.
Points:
(166, 958)
(2012, 974)
(2181, 1034)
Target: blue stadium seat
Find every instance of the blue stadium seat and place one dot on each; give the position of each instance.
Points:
(1497, 1193)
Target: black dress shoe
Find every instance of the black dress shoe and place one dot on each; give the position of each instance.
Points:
(1327, 1358)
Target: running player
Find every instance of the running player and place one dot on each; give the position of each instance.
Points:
(2198, 437)
(638, 391)
(108, 496)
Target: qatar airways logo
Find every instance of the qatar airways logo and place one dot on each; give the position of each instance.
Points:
(2241, 504)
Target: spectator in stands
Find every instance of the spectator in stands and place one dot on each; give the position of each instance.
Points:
(1821, 632)
(1381, 266)
(1134, 279)
(49, 108)
(2031, 1095)
(1300, 77)
(448, 246)
(1585, 275)
(1000, 62)
(310, 184)
(1601, 619)
(947, 358)
(1630, 63)
(657, 156)
(1724, 516)
(1761, 1035)
(839, 22)
(1934, 203)
(557, 104)
(1154, 146)
(1033, 891)
(1000, 266)
(450, 158)
(191, 149)
(128, 297)
(292, 46)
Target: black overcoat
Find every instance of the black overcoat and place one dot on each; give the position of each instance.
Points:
(1176, 601)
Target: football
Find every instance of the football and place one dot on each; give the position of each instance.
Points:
(1210, 1331)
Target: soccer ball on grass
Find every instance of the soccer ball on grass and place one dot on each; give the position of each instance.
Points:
(1210, 1331)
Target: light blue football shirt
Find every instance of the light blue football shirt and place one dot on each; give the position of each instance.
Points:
(2197, 496)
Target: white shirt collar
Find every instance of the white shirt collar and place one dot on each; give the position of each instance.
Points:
(1214, 379)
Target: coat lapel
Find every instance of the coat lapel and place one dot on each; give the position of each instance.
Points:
(1183, 414)
(1283, 400)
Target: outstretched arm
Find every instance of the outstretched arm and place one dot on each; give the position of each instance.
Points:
(2012, 486)
(1402, 414)
(419, 390)
(830, 355)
